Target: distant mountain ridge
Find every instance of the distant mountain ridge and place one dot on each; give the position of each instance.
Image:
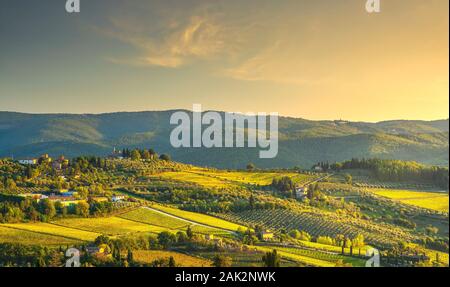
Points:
(302, 142)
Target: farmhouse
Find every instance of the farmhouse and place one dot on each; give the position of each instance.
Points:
(94, 250)
(64, 200)
(301, 192)
(60, 163)
(56, 165)
(45, 158)
(67, 193)
(35, 196)
(116, 154)
(117, 198)
(317, 168)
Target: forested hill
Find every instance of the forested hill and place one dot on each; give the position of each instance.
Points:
(302, 142)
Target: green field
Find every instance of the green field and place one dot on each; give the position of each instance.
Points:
(220, 179)
(260, 178)
(430, 200)
(148, 216)
(199, 218)
(72, 230)
(110, 226)
(52, 229)
(13, 235)
(185, 176)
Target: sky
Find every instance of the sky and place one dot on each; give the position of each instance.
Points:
(314, 59)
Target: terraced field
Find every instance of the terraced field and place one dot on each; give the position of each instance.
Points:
(430, 200)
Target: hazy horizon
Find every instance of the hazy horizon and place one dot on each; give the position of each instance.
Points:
(317, 60)
(220, 111)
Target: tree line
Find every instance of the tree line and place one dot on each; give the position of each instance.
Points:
(398, 171)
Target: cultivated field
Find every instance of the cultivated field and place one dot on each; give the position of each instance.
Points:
(55, 230)
(110, 226)
(431, 200)
(199, 218)
(148, 216)
(332, 257)
(12, 235)
(190, 177)
(258, 178)
(320, 224)
(221, 179)
(155, 218)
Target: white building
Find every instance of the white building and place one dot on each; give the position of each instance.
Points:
(301, 192)
(117, 198)
(31, 161)
(318, 168)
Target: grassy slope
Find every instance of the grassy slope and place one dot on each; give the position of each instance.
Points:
(199, 218)
(71, 231)
(151, 217)
(430, 200)
(222, 179)
(110, 226)
(13, 235)
(51, 229)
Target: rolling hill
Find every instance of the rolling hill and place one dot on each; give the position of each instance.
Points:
(302, 142)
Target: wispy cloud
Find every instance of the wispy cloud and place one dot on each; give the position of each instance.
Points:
(277, 63)
(174, 45)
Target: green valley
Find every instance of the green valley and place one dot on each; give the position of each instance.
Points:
(143, 209)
